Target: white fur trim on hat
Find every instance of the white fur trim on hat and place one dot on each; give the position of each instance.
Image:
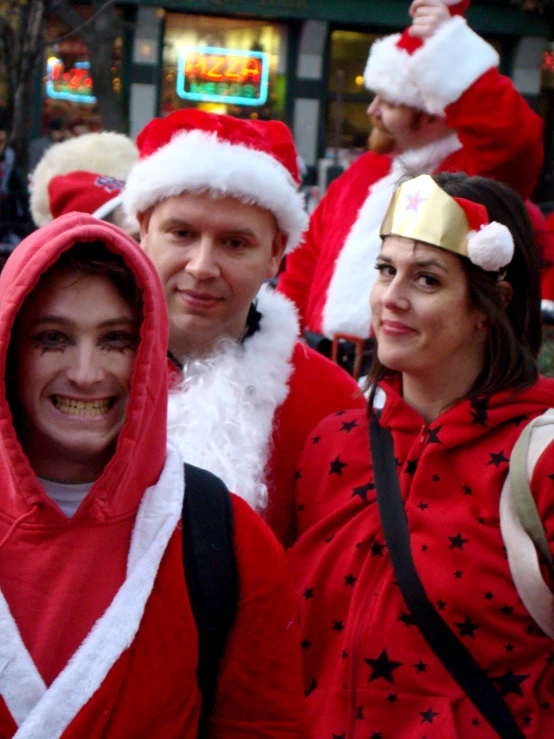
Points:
(387, 73)
(195, 161)
(449, 63)
(492, 247)
(107, 153)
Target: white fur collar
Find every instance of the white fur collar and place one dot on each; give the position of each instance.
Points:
(222, 416)
(347, 310)
(45, 713)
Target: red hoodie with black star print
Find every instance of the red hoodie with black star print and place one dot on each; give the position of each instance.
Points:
(369, 673)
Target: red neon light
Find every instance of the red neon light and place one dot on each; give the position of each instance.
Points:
(222, 68)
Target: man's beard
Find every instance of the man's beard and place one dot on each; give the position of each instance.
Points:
(380, 140)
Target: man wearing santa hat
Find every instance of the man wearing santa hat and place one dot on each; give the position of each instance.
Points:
(218, 204)
(440, 104)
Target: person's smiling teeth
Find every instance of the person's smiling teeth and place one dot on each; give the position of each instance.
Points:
(82, 407)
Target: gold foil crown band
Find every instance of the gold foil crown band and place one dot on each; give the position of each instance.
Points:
(421, 211)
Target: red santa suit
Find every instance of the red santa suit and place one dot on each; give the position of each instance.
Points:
(97, 636)
(495, 134)
(368, 671)
(245, 413)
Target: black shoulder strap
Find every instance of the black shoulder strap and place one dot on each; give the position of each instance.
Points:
(211, 572)
(445, 644)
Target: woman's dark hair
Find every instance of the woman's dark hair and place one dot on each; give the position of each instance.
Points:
(515, 329)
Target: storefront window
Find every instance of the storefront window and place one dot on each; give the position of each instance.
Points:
(67, 84)
(349, 52)
(224, 65)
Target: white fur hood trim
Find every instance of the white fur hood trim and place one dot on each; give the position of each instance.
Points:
(222, 416)
(196, 161)
(347, 309)
(45, 713)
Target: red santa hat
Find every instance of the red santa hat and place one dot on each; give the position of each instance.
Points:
(194, 151)
(109, 154)
(406, 70)
(84, 192)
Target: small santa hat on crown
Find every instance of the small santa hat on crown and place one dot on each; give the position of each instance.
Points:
(387, 69)
(422, 211)
(84, 192)
(195, 151)
(82, 160)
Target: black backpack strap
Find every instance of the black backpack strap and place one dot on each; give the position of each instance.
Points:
(211, 573)
(445, 644)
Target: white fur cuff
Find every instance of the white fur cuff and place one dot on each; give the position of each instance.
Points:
(449, 63)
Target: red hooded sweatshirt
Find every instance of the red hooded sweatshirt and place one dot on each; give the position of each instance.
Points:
(97, 637)
(368, 671)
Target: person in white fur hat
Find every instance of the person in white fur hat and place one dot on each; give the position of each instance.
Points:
(218, 204)
(84, 174)
(440, 105)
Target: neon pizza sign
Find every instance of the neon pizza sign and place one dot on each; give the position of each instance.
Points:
(210, 74)
(74, 84)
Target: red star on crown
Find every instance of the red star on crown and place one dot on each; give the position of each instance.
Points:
(414, 201)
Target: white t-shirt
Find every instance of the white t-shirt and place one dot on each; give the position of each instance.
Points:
(67, 497)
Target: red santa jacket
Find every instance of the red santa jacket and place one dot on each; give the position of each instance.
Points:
(97, 637)
(329, 277)
(246, 412)
(367, 669)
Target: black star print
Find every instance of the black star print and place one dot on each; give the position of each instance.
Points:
(428, 716)
(424, 547)
(479, 412)
(298, 474)
(550, 658)
(340, 413)
(336, 467)
(350, 579)
(497, 459)
(407, 619)
(313, 686)
(421, 666)
(518, 419)
(467, 490)
(467, 628)
(360, 715)
(376, 735)
(441, 605)
(316, 439)
(509, 647)
(305, 644)
(527, 720)
(382, 667)
(433, 437)
(344, 655)
(489, 595)
(458, 574)
(436, 478)
(392, 698)
(308, 593)
(329, 539)
(300, 506)
(377, 549)
(338, 626)
(510, 683)
(551, 477)
(348, 426)
(423, 506)
(457, 542)
(506, 610)
(363, 490)
(475, 722)
(339, 736)
(411, 466)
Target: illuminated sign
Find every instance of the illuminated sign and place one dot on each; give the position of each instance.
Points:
(74, 84)
(208, 74)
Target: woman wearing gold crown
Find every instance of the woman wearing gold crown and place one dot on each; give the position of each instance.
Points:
(418, 620)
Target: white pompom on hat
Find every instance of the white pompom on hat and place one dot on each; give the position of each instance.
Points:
(491, 247)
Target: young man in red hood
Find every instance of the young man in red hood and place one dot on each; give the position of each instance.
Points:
(97, 635)
(218, 205)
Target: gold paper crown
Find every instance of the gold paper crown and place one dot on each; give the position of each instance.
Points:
(421, 211)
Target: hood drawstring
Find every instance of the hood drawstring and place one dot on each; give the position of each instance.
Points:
(19, 521)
